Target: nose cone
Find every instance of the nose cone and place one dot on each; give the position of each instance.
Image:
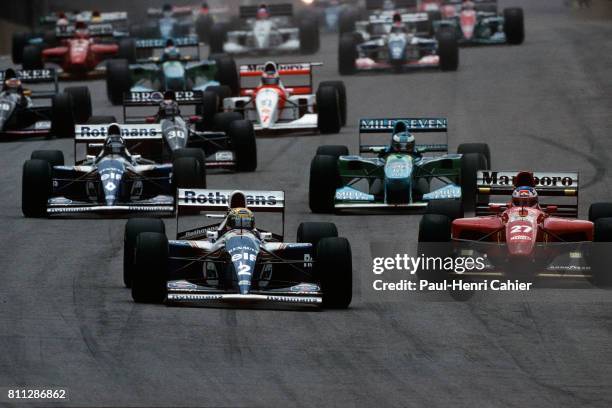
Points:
(267, 107)
(243, 251)
(521, 238)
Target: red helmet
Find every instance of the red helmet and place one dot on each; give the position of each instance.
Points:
(262, 12)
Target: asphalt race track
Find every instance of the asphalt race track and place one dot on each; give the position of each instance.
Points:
(67, 321)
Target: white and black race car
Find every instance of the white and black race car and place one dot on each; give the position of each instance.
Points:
(233, 261)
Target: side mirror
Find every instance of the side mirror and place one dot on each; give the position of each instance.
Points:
(265, 236)
(150, 119)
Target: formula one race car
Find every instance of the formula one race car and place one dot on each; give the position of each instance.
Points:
(166, 22)
(478, 24)
(171, 71)
(111, 180)
(80, 52)
(398, 42)
(228, 143)
(268, 29)
(19, 117)
(276, 108)
(400, 176)
(527, 236)
(232, 261)
(59, 25)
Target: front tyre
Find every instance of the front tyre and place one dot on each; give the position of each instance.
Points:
(514, 25)
(334, 270)
(324, 180)
(36, 187)
(133, 227)
(244, 144)
(150, 270)
(328, 108)
(448, 50)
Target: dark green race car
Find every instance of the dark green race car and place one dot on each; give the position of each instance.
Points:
(401, 175)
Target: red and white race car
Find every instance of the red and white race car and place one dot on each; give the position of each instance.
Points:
(276, 107)
(525, 236)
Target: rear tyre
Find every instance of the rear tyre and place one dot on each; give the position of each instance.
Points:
(347, 55)
(203, 25)
(479, 148)
(470, 164)
(222, 92)
(324, 180)
(36, 187)
(150, 270)
(222, 121)
(309, 36)
(81, 102)
(188, 173)
(453, 209)
(53, 157)
(514, 25)
(601, 256)
(448, 50)
(227, 72)
(332, 150)
(20, 40)
(328, 108)
(313, 232)
(600, 210)
(207, 110)
(346, 22)
(334, 270)
(339, 85)
(62, 116)
(244, 144)
(118, 80)
(193, 152)
(32, 57)
(218, 36)
(434, 230)
(127, 50)
(133, 227)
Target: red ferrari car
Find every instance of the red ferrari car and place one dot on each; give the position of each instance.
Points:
(526, 235)
(80, 51)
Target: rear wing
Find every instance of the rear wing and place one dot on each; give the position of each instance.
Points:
(275, 10)
(397, 4)
(154, 43)
(142, 139)
(410, 18)
(177, 11)
(38, 76)
(284, 69)
(562, 185)
(142, 99)
(413, 125)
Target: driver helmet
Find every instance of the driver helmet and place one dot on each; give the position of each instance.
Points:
(96, 16)
(525, 196)
(402, 142)
(80, 29)
(171, 52)
(114, 143)
(241, 218)
(270, 74)
(167, 10)
(467, 5)
(262, 12)
(11, 82)
(168, 106)
(397, 20)
(62, 22)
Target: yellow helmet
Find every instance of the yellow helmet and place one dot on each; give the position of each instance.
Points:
(242, 218)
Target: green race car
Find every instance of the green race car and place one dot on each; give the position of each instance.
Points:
(401, 175)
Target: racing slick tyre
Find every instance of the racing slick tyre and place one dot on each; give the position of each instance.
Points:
(32, 57)
(36, 187)
(127, 50)
(514, 25)
(222, 120)
(81, 103)
(194, 152)
(453, 209)
(133, 227)
(346, 21)
(188, 173)
(150, 268)
(118, 80)
(448, 50)
(20, 40)
(334, 270)
(324, 180)
(328, 108)
(222, 92)
(347, 54)
(434, 231)
(333, 150)
(600, 255)
(207, 110)
(309, 36)
(339, 85)
(62, 116)
(470, 164)
(203, 25)
(53, 157)
(600, 210)
(227, 72)
(432, 18)
(243, 143)
(313, 232)
(480, 148)
(218, 36)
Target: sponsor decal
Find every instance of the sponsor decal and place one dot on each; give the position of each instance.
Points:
(305, 288)
(156, 97)
(293, 299)
(504, 179)
(191, 197)
(126, 131)
(280, 67)
(417, 123)
(520, 238)
(33, 74)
